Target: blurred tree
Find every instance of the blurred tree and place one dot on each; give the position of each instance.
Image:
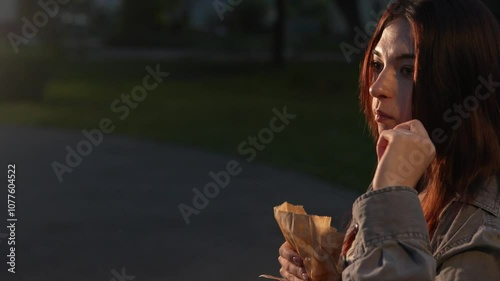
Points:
(351, 12)
(138, 16)
(142, 22)
(307, 20)
(32, 62)
(176, 14)
(27, 7)
(312, 8)
(248, 17)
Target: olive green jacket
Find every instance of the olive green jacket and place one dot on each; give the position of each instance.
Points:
(392, 240)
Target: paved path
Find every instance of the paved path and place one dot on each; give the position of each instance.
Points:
(119, 209)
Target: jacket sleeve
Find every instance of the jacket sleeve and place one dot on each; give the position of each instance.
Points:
(392, 243)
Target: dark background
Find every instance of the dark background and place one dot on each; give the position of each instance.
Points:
(232, 65)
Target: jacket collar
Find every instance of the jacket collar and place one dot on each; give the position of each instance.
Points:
(488, 198)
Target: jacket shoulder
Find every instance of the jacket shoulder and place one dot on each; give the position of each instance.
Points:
(477, 224)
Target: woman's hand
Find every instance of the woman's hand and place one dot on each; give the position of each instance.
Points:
(404, 153)
(292, 266)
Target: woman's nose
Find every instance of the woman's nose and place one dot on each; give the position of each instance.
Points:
(383, 86)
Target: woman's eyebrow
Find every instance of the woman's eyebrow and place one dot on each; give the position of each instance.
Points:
(405, 56)
(399, 57)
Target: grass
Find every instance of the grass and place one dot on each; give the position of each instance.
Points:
(216, 106)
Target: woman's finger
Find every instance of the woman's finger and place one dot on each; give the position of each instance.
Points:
(423, 140)
(295, 270)
(287, 252)
(289, 276)
(414, 126)
(383, 141)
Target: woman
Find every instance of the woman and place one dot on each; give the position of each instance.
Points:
(428, 89)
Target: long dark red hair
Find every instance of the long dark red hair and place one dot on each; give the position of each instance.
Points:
(457, 45)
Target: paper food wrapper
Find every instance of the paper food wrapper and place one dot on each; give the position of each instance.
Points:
(312, 237)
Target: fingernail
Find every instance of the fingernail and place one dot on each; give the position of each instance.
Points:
(304, 276)
(297, 261)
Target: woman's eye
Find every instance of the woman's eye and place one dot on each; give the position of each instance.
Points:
(377, 66)
(407, 71)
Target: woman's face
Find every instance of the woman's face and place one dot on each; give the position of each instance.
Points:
(393, 66)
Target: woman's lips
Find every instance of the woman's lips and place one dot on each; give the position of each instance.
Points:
(381, 116)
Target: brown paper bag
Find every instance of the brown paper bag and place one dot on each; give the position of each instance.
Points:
(314, 239)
